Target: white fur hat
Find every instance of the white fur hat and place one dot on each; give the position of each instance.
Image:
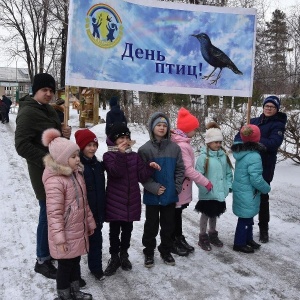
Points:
(213, 133)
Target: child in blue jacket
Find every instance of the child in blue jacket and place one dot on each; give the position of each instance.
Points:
(247, 186)
(162, 189)
(95, 186)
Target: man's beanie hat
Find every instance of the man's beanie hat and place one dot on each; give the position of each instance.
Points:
(213, 133)
(186, 121)
(118, 129)
(85, 136)
(113, 101)
(273, 99)
(43, 80)
(60, 148)
(250, 133)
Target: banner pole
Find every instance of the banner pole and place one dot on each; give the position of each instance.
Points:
(249, 109)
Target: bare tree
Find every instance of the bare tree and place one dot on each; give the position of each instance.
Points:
(27, 23)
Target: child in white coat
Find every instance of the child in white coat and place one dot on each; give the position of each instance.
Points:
(70, 220)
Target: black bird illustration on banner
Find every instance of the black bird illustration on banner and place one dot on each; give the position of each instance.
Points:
(215, 57)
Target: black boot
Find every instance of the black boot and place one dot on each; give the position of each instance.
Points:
(244, 249)
(77, 294)
(214, 239)
(181, 240)
(64, 294)
(253, 244)
(264, 236)
(204, 242)
(113, 264)
(46, 268)
(178, 249)
(125, 262)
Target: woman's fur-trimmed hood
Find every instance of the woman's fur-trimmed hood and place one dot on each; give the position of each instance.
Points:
(58, 169)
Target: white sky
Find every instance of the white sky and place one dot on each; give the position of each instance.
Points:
(271, 273)
(274, 4)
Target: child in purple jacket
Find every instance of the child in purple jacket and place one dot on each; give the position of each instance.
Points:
(125, 169)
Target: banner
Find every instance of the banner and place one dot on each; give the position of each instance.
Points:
(161, 47)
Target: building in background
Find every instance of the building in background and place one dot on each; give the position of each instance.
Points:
(14, 83)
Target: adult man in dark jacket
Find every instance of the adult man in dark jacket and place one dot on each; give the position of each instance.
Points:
(35, 115)
(115, 115)
(8, 104)
(272, 124)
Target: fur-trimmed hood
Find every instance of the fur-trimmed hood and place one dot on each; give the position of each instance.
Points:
(58, 169)
(241, 149)
(248, 146)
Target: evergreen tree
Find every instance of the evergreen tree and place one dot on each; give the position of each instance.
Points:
(276, 45)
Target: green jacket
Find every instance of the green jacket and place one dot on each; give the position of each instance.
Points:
(32, 120)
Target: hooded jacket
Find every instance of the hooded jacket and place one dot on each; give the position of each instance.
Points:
(272, 133)
(168, 155)
(219, 173)
(190, 174)
(248, 182)
(68, 213)
(123, 195)
(32, 120)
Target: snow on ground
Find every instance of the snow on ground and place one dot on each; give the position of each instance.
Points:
(270, 273)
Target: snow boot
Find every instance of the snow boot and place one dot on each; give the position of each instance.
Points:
(168, 259)
(46, 269)
(204, 242)
(113, 264)
(243, 249)
(264, 236)
(253, 244)
(64, 294)
(149, 260)
(77, 294)
(178, 249)
(181, 239)
(125, 262)
(214, 239)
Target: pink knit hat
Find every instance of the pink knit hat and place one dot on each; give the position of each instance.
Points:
(250, 133)
(60, 148)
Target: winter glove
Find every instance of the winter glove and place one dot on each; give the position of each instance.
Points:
(209, 186)
(230, 190)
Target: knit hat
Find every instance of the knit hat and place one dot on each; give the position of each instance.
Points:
(85, 136)
(186, 121)
(118, 130)
(213, 133)
(113, 101)
(159, 120)
(43, 80)
(59, 101)
(250, 133)
(273, 99)
(60, 148)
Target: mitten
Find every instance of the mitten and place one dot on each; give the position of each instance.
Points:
(209, 186)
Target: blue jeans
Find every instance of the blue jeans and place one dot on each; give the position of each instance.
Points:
(42, 246)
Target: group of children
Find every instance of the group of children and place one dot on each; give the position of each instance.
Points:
(78, 202)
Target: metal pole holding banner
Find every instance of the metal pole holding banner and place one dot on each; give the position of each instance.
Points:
(67, 106)
(249, 109)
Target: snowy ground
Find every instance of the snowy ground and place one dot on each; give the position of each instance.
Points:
(273, 272)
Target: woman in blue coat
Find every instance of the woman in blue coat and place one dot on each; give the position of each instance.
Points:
(248, 184)
(272, 124)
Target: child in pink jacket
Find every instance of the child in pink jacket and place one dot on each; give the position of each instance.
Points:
(70, 220)
(186, 129)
